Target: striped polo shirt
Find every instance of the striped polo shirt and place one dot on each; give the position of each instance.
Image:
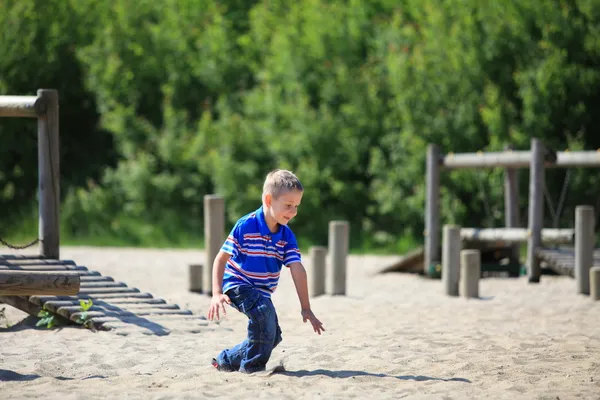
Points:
(257, 254)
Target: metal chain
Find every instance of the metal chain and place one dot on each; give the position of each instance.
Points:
(16, 247)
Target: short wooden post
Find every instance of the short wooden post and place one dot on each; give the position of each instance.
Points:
(470, 272)
(451, 247)
(48, 175)
(595, 283)
(339, 233)
(195, 278)
(318, 256)
(214, 235)
(536, 209)
(511, 204)
(584, 246)
(432, 210)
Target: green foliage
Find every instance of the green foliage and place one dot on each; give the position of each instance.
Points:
(164, 102)
(46, 318)
(85, 306)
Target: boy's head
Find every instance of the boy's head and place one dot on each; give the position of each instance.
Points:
(282, 194)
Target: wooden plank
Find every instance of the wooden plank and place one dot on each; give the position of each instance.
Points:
(108, 290)
(38, 261)
(96, 279)
(23, 257)
(112, 296)
(167, 309)
(22, 304)
(41, 268)
(119, 301)
(102, 284)
(120, 312)
(26, 283)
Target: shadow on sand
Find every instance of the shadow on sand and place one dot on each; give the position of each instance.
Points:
(350, 374)
(12, 376)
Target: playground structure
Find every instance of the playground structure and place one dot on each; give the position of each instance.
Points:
(535, 235)
(33, 283)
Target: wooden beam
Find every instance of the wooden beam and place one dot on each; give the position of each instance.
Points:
(507, 159)
(27, 283)
(520, 159)
(516, 235)
(22, 106)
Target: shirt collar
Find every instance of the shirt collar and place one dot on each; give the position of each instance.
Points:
(264, 228)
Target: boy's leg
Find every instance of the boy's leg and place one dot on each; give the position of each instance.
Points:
(230, 359)
(263, 335)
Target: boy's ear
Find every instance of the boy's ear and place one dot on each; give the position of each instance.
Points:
(268, 200)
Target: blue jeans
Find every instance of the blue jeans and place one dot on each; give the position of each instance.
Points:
(264, 333)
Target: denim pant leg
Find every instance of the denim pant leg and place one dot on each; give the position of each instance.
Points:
(264, 332)
(263, 336)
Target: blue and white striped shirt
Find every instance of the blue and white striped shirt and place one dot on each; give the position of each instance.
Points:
(257, 254)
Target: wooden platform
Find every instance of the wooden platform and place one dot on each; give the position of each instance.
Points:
(562, 260)
(115, 305)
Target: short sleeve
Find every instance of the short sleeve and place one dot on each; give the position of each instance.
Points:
(232, 243)
(291, 251)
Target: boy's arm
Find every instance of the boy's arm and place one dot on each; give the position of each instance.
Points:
(300, 281)
(218, 272)
(218, 298)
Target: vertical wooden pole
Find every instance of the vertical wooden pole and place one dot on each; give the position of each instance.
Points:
(318, 255)
(451, 247)
(584, 246)
(595, 283)
(432, 211)
(49, 175)
(511, 205)
(338, 251)
(470, 272)
(536, 209)
(214, 235)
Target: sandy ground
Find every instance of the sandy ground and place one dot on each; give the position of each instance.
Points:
(392, 336)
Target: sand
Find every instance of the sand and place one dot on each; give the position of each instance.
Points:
(393, 336)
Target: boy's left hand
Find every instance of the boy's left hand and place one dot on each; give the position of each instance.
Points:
(317, 325)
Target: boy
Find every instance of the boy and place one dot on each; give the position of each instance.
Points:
(246, 272)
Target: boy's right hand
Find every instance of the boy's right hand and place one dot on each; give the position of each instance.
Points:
(217, 302)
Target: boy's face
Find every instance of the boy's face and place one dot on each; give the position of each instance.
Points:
(285, 207)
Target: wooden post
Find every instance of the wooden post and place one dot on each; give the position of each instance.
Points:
(338, 251)
(49, 175)
(318, 255)
(511, 204)
(536, 209)
(214, 235)
(30, 283)
(470, 272)
(195, 278)
(584, 246)
(451, 247)
(432, 211)
(595, 283)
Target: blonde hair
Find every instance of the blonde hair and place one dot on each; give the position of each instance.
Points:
(280, 181)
